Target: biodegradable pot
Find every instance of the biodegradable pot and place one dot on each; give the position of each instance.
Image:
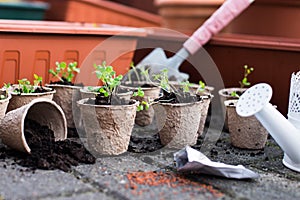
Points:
(225, 94)
(178, 123)
(206, 98)
(44, 111)
(86, 93)
(144, 117)
(245, 132)
(18, 100)
(66, 97)
(107, 127)
(4, 104)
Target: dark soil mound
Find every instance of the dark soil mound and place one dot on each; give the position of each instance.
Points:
(46, 153)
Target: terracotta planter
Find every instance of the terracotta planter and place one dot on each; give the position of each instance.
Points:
(145, 117)
(4, 104)
(274, 13)
(225, 94)
(66, 97)
(245, 132)
(178, 123)
(43, 111)
(25, 98)
(108, 127)
(186, 16)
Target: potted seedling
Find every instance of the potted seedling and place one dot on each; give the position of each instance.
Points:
(138, 78)
(92, 91)
(234, 92)
(200, 89)
(205, 92)
(66, 91)
(24, 92)
(108, 119)
(5, 96)
(177, 113)
(245, 132)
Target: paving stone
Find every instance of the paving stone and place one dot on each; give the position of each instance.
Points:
(17, 183)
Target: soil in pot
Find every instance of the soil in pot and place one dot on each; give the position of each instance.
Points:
(37, 90)
(179, 97)
(113, 100)
(46, 153)
(178, 116)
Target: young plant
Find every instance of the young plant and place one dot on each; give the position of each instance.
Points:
(65, 72)
(163, 80)
(24, 86)
(7, 87)
(201, 87)
(140, 74)
(247, 72)
(144, 105)
(244, 82)
(38, 80)
(110, 81)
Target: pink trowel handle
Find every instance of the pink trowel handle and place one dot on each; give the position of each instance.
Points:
(217, 21)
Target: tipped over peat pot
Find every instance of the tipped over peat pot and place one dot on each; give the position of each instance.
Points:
(44, 111)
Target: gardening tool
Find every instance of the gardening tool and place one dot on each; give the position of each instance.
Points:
(157, 60)
(255, 101)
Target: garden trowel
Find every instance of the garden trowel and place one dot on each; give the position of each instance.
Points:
(157, 59)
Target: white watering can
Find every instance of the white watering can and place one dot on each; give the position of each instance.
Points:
(255, 101)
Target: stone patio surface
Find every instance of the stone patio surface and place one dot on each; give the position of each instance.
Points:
(109, 177)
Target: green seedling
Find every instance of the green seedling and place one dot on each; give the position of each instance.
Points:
(140, 74)
(247, 72)
(2, 96)
(144, 105)
(64, 72)
(38, 80)
(201, 87)
(6, 86)
(163, 80)
(244, 82)
(24, 86)
(108, 78)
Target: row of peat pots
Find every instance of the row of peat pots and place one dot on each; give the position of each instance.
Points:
(105, 129)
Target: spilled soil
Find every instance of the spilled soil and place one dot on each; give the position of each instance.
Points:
(46, 153)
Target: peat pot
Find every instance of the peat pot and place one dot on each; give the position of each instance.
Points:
(108, 127)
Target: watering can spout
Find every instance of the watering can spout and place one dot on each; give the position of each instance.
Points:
(255, 101)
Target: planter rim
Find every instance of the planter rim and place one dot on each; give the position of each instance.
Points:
(33, 94)
(63, 86)
(82, 102)
(85, 90)
(178, 104)
(144, 88)
(221, 91)
(228, 102)
(188, 2)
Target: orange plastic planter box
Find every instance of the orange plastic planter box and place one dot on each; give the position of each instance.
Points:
(28, 47)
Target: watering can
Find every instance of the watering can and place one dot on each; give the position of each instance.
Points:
(286, 132)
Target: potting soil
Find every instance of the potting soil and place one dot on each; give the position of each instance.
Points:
(178, 97)
(46, 153)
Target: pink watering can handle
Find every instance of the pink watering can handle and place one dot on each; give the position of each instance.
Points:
(217, 21)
